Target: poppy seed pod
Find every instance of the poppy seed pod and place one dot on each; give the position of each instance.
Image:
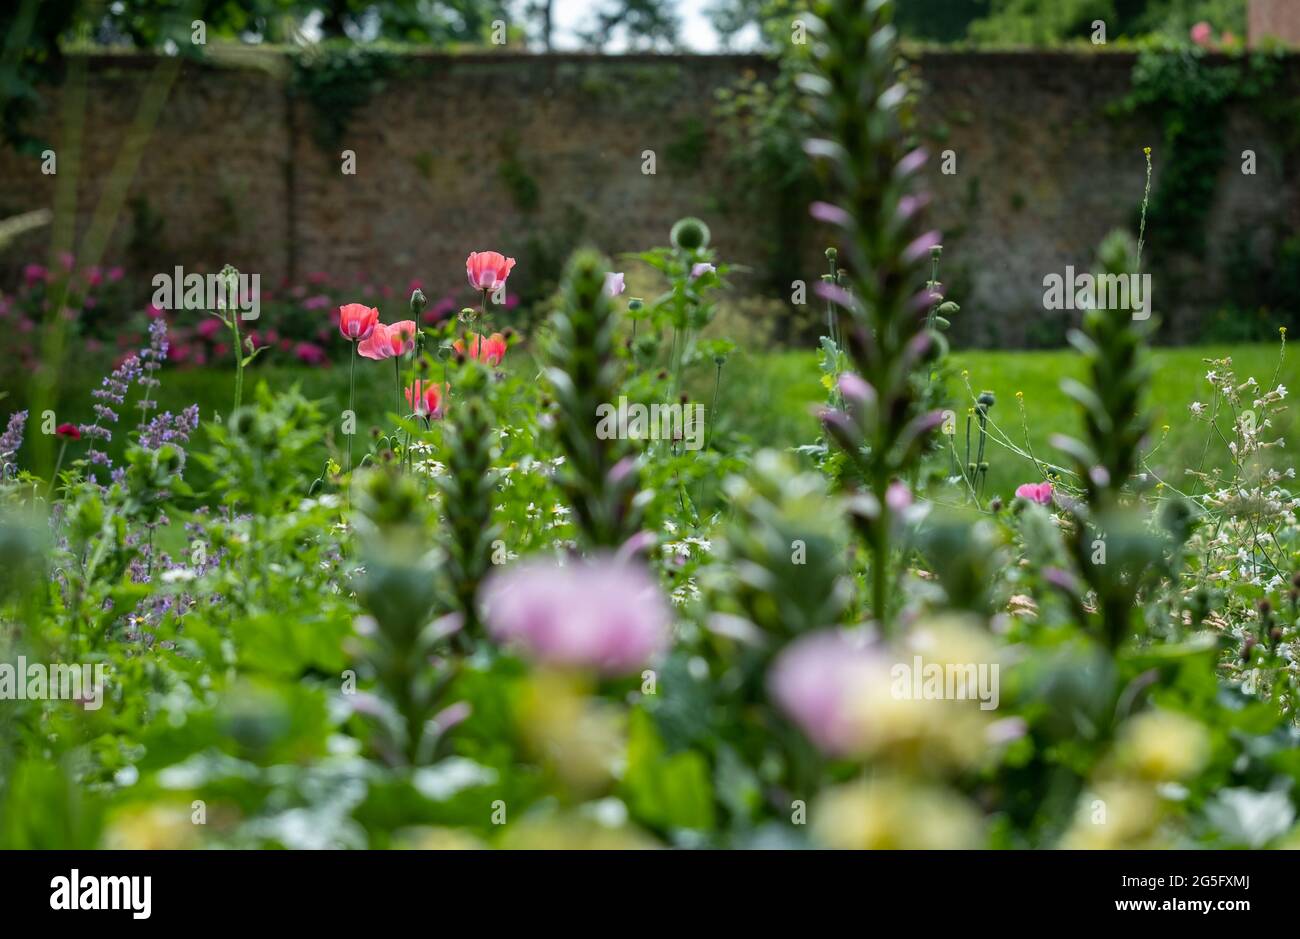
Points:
(418, 302)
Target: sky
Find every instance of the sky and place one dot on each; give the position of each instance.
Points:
(696, 32)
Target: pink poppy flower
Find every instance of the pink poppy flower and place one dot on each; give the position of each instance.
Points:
(487, 269)
(614, 284)
(426, 399)
(357, 321)
(492, 351)
(1036, 492)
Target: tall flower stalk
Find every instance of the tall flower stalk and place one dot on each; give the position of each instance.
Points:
(599, 479)
(468, 489)
(861, 108)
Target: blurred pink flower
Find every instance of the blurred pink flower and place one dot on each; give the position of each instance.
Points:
(898, 497)
(1036, 492)
(821, 681)
(309, 353)
(1202, 34)
(33, 273)
(209, 327)
(614, 284)
(699, 270)
(601, 613)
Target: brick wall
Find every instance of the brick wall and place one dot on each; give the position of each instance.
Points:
(1273, 19)
(234, 171)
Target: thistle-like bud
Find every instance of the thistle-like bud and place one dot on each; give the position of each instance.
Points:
(690, 234)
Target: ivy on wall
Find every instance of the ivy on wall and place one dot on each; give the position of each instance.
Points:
(1189, 95)
(337, 81)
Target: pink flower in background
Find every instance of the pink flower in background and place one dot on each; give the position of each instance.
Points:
(34, 273)
(208, 328)
(487, 269)
(699, 270)
(426, 399)
(898, 497)
(601, 613)
(440, 310)
(614, 284)
(309, 353)
(490, 351)
(319, 302)
(357, 321)
(115, 274)
(822, 681)
(1036, 492)
(1202, 34)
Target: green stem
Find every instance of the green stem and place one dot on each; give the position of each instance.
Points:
(713, 408)
(239, 360)
(58, 464)
(352, 391)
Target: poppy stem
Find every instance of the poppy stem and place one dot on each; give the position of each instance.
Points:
(58, 465)
(352, 392)
(397, 386)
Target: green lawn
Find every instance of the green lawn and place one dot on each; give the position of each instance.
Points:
(768, 398)
(772, 404)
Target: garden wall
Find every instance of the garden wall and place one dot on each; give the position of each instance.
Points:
(530, 154)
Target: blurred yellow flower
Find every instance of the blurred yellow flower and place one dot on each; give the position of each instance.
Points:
(895, 813)
(1162, 746)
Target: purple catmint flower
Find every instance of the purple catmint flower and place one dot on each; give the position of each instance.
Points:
(168, 428)
(12, 439)
(600, 614)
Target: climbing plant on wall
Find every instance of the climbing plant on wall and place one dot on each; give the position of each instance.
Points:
(1189, 94)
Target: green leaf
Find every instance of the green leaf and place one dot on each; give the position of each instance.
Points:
(664, 791)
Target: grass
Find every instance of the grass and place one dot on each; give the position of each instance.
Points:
(774, 401)
(768, 399)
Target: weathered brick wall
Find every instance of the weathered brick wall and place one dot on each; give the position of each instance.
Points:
(234, 171)
(1273, 19)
